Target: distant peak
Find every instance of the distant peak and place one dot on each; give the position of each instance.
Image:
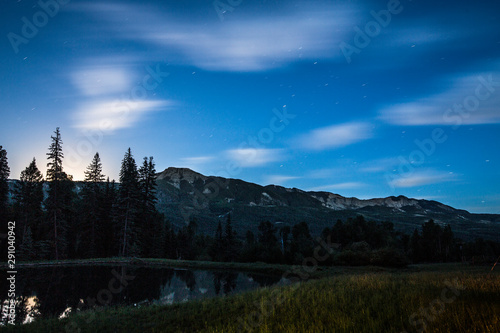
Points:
(177, 170)
(173, 172)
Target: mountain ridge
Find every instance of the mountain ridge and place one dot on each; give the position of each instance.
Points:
(185, 194)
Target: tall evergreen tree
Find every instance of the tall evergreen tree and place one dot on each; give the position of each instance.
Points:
(60, 199)
(29, 200)
(270, 251)
(107, 237)
(186, 247)
(447, 243)
(92, 200)
(4, 186)
(151, 226)
(302, 242)
(54, 170)
(128, 205)
(93, 174)
(249, 250)
(230, 248)
(267, 235)
(431, 241)
(416, 247)
(27, 247)
(147, 182)
(170, 242)
(217, 249)
(55, 156)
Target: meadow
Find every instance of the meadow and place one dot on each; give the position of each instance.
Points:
(420, 298)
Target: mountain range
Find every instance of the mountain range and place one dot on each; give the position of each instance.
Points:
(184, 195)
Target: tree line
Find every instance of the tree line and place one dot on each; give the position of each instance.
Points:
(57, 218)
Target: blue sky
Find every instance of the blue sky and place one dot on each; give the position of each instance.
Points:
(361, 98)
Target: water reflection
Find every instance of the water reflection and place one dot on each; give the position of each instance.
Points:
(56, 291)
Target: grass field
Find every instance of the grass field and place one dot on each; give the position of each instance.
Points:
(426, 298)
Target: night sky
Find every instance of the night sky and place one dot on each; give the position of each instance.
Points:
(360, 98)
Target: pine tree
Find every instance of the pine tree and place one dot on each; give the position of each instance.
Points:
(60, 199)
(217, 249)
(29, 199)
(229, 241)
(302, 242)
(55, 156)
(267, 235)
(54, 170)
(151, 228)
(169, 244)
(4, 186)
(147, 183)
(249, 250)
(93, 174)
(107, 237)
(128, 204)
(416, 246)
(447, 242)
(92, 200)
(269, 249)
(27, 247)
(431, 241)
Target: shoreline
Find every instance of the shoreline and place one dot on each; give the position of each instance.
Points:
(257, 267)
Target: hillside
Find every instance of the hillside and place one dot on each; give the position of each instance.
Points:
(185, 194)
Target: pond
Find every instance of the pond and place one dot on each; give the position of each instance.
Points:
(44, 292)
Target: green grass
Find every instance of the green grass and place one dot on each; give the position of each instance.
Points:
(346, 302)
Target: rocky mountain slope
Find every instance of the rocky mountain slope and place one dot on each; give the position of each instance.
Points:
(185, 195)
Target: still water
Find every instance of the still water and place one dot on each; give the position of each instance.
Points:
(56, 291)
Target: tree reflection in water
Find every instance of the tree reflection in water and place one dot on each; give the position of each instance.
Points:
(57, 291)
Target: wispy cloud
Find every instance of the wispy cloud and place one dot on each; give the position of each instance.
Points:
(339, 186)
(101, 81)
(110, 115)
(422, 178)
(335, 136)
(379, 165)
(418, 37)
(197, 160)
(250, 157)
(251, 43)
(425, 34)
(110, 99)
(472, 99)
(279, 179)
(324, 173)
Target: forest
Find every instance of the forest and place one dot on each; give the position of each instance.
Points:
(58, 218)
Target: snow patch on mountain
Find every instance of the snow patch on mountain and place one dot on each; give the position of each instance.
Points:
(338, 202)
